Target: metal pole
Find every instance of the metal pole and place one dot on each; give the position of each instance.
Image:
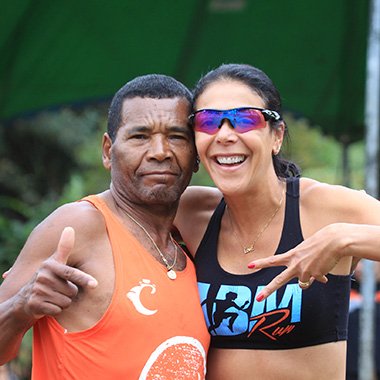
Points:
(372, 103)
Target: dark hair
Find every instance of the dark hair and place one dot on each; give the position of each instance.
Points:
(154, 86)
(260, 83)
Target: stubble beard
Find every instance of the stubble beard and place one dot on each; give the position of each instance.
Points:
(162, 195)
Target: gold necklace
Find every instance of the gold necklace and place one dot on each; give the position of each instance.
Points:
(170, 271)
(251, 248)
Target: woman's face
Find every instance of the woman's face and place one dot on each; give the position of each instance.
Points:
(236, 161)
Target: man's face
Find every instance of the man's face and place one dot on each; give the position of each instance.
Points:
(153, 155)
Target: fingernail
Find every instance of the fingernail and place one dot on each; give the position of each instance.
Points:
(92, 284)
(260, 297)
(251, 265)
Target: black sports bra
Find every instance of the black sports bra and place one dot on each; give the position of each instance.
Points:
(290, 317)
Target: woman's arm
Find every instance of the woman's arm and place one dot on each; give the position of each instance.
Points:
(194, 212)
(354, 231)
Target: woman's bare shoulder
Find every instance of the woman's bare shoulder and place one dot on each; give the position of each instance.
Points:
(340, 203)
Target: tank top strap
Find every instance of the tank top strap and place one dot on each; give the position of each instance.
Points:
(213, 227)
(99, 204)
(115, 228)
(291, 231)
(293, 187)
(208, 246)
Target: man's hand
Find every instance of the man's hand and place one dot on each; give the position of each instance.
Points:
(55, 284)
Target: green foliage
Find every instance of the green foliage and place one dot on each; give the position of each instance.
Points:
(201, 177)
(320, 156)
(46, 161)
(357, 165)
(309, 147)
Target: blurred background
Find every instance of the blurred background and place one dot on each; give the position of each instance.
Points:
(61, 63)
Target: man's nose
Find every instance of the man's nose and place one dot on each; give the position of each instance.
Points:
(159, 148)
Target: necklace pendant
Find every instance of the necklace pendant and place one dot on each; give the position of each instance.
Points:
(171, 274)
(248, 249)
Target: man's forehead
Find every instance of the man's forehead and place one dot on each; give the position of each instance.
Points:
(146, 106)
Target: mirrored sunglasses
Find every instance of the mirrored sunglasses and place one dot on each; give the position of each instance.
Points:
(243, 119)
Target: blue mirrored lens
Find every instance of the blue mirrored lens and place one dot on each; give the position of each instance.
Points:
(241, 119)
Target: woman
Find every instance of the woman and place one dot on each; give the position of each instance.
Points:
(260, 210)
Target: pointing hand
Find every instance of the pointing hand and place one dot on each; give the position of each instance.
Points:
(55, 284)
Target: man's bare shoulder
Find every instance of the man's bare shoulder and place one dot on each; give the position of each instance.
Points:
(82, 216)
(87, 223)
(74, 214)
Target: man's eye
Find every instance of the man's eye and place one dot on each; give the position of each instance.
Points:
(178, 137)
(138, 136)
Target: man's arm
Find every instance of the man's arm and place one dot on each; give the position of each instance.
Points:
(39, 284)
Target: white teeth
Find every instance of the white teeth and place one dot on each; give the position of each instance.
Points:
(230, 160)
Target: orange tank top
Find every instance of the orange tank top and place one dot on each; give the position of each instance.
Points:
(152, 329)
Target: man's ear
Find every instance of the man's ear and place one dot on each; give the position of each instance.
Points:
(106, 151)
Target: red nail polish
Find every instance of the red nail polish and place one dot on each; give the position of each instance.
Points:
(260, 297)
(251, 265)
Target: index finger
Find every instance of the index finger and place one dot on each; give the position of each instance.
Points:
(272, 261)
(76, 276)
(280, 280)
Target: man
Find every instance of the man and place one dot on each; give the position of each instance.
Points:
(113, 296)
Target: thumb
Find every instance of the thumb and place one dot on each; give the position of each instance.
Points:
(65, 245)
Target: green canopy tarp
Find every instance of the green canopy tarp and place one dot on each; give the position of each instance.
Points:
(55, 53)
